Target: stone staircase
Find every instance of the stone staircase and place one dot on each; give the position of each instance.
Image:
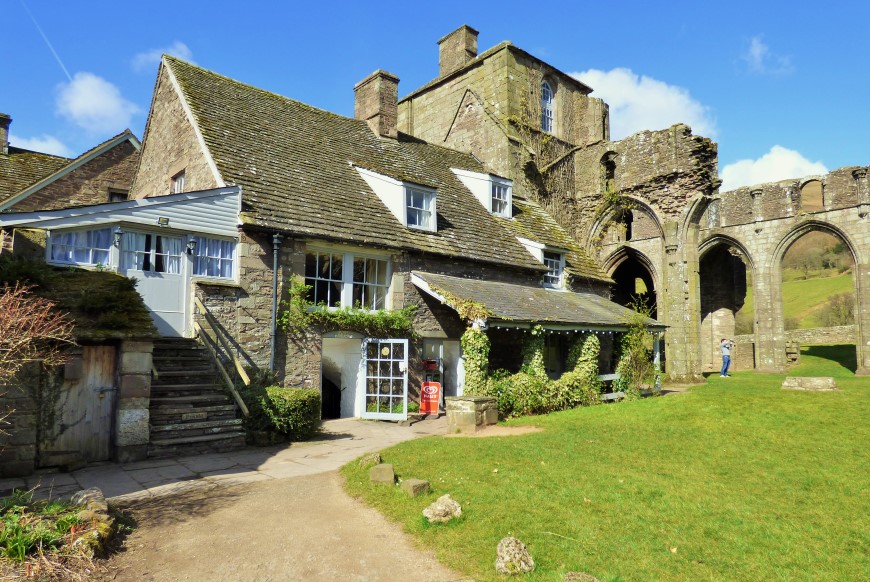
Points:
(190, 410)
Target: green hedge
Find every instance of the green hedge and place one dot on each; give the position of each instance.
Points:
(293, 411)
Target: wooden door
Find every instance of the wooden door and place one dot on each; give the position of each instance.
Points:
(81, 408)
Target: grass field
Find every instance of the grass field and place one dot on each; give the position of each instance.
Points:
(735, 480)
(803, 299)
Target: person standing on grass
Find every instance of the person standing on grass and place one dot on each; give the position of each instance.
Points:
(726, 345)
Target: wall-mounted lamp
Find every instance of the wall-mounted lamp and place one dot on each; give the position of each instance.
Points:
(117, 234)
(191, 245)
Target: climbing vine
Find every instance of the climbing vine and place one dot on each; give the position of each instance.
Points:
(533, 353)
(467, 309)
(635, 367)
(299, 313)
(475, 349)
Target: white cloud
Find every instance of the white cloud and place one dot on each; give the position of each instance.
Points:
(641, 102)
(46, 144)
(778, 164)
(148, 60)
(94, 104)
(761, 61)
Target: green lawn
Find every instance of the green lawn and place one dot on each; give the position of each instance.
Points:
(736, 480)
(802, 299)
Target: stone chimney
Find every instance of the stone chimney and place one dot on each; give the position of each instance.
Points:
(5, 121)
(457, 48)
(376, 101)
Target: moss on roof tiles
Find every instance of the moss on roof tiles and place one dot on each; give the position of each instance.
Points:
(295, 164)
(20, 169)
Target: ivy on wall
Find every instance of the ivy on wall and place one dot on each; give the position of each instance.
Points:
(475, 350)
(298, 314)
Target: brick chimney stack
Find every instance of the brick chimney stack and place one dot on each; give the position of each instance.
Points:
(5, 121)
(376, 101)
(457, 48)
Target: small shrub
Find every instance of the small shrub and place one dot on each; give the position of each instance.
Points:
(293, 411)
(35, 272)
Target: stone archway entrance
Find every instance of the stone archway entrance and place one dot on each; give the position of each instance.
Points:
(723, 272)
(634, 282)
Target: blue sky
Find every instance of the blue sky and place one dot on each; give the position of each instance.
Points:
(782, 88)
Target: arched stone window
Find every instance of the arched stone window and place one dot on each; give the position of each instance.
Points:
(608, 172)
(812, 196)
(546, 107)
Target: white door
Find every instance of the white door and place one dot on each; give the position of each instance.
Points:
(159, 264)
(384, 377)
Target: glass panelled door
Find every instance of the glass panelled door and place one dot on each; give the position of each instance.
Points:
(385, 378)
(158, 262)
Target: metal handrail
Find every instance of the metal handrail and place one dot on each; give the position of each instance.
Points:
(224, 343)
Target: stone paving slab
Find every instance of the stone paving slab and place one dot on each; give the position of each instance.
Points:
(339, 442)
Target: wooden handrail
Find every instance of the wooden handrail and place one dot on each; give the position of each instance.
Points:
(212, 323)
(226, 377)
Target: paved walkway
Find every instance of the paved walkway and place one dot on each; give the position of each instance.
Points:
(339, 442)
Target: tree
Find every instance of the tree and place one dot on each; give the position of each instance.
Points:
(30, 330)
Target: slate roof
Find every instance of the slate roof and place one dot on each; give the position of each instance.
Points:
(532, 222)
(525, 304)
(22, 168)
(295, 164)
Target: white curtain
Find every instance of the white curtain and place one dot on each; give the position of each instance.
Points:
(172, 246)
(133, 247)
(213, 257)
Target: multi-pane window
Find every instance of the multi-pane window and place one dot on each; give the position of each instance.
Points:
(178, 183)
(154, 253)
(82, 247)
(555, 265)
(369, 283)
(324, 272)
(420, 211)
(345, 280)
(213, 257)
(501, 199)
(546, 107)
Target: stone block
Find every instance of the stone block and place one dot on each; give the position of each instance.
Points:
(135, 362)
(470, 413)
(135, 386)
(382, 473)
(817, 384)
(415, 487)
(132, 427)
(137, 346)
(18, 468)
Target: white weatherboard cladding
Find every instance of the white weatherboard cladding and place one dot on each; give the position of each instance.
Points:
(214, 212)
(478, 184)
(390, 191)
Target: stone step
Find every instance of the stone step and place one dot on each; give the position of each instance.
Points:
(190, 445)
(173, 408)
(187, 387)
(210, 425)
(161, 417)
(186, 371)
(199, 399)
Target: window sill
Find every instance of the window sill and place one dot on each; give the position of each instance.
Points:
(217, 282)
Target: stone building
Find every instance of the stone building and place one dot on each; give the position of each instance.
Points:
(647, 207)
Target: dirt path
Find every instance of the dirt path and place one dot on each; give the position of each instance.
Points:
(304, 528)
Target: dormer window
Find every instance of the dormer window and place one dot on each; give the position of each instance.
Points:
(501, 198)
(420, 208)
(494, 193)
(413, 205)
(546, 107)
(555, 263)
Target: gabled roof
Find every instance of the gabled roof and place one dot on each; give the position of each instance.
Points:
(296, 165)
(22, 168)
(523, 305)
(56, 169)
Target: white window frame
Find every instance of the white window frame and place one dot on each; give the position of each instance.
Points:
(555, 263)
(152, 254)
(178, 182)
(200, 238)
(547, 107)
(347, 282)
(483, 187)
(496, 185)
(55, 235)
(426, 211)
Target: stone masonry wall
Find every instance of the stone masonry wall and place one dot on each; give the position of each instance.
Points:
(841, 334)
(170, 146)
(18, 420)
(88, 184)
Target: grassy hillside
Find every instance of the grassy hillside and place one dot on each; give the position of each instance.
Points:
(802, 299)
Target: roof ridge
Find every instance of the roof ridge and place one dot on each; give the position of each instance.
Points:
(27, 151)
(170, 59)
